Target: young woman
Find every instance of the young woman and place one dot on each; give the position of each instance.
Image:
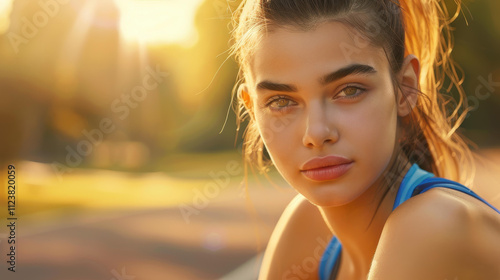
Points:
(344, 96)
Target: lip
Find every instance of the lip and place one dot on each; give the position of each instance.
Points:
(326, 168)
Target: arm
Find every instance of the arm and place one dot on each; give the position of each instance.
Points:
(296, 244)
(436, 235)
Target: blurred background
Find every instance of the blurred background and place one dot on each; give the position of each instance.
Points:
(116, 115)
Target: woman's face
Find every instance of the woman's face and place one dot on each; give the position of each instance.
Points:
(321, 93)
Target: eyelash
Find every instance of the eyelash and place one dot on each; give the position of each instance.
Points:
(360, 91)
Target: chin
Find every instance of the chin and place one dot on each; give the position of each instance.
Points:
(327, 202)
(326, 196)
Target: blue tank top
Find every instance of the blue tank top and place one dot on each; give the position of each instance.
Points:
(415, 181)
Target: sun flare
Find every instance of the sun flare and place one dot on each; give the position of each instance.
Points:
(158, 21)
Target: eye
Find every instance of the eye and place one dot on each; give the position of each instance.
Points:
(278, 103)
(350, 92)
(281, 103)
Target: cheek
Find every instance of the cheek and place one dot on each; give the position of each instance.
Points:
(279, 134)
(373, 129)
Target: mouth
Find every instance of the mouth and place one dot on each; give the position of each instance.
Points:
(327, 168)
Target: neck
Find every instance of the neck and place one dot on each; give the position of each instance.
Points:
(358, 224)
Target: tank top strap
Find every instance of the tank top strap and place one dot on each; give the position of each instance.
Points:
(418, 181)
(330, 261)
(411, 180)
(430, 183)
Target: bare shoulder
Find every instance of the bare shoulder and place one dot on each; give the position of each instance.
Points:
(297, 243)
(441, 234)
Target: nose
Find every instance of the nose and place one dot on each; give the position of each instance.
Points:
(319, 129)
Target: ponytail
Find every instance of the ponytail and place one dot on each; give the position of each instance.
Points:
(428, 36)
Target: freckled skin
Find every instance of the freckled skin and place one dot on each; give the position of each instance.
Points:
(318, 124)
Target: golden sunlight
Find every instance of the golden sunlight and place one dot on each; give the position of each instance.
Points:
(5, 7)
(159, 21)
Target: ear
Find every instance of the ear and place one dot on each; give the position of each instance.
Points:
(409, 80)
(244, 95)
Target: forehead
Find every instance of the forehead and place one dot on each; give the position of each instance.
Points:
(292, 55)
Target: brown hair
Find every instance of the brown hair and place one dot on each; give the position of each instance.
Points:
(419, 27)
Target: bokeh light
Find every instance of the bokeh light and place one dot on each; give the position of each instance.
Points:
(5, 6)
(158, 21)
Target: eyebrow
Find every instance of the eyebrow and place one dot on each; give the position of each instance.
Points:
(328, 78)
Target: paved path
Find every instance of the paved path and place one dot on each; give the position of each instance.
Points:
(145, 244)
